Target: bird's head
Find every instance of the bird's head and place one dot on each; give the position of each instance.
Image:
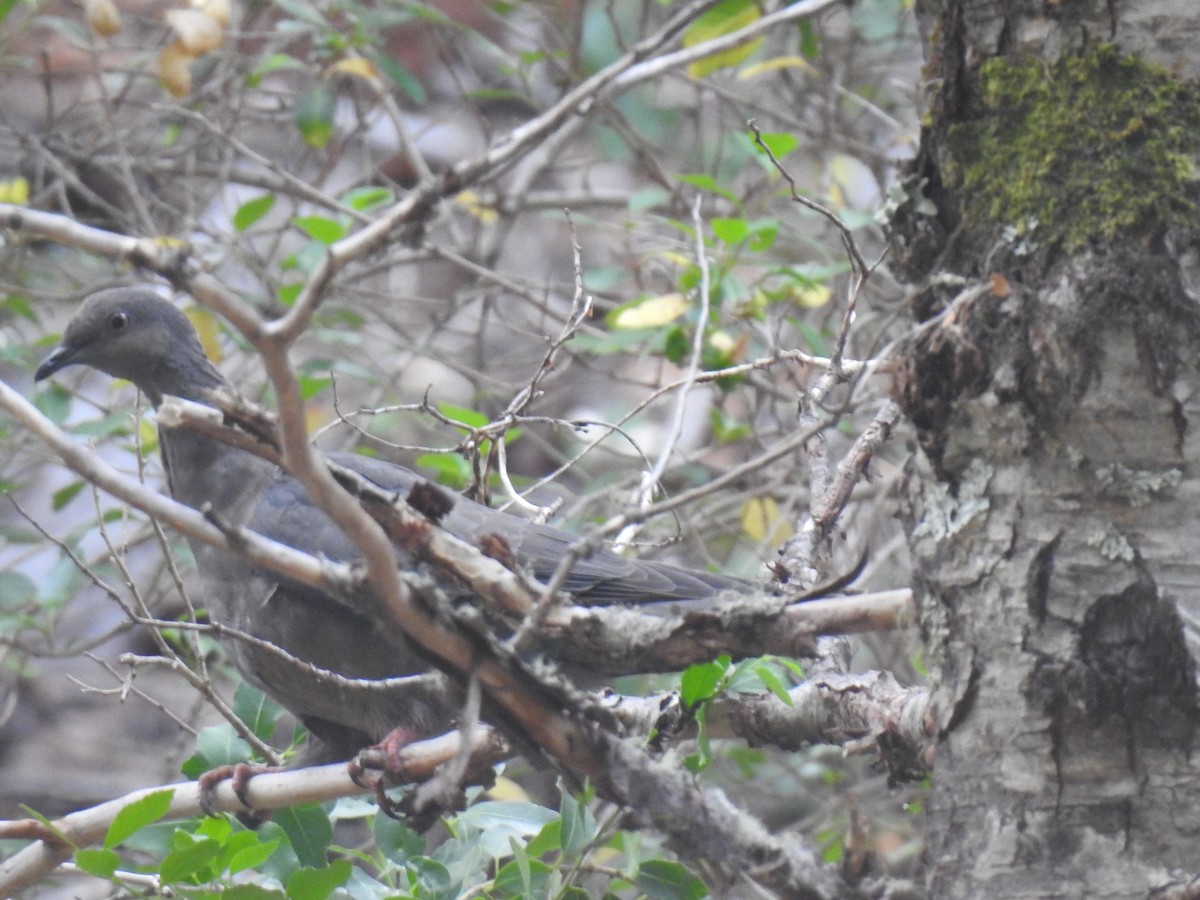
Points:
(133, 333)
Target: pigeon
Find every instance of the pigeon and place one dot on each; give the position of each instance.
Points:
(135, 334)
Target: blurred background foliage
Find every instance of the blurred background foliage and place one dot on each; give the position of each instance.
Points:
(258, 133)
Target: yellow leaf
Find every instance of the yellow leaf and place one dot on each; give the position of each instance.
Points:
(679, 259)
(205, 321)
(722, 19)
(507, 789)
(198, 33)
(761, 521)
(837, 197)
(774, 64)
(103, 17)
(220, 11)
(174, 69)
(314, 418)
(15, 191)
(723, 60)
(148, 434)
(469, 201)
(811, 297)
(357, 66)
(722, 341)
(652, 312)
(853, 183)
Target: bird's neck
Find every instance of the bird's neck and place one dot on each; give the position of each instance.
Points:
(201, 469)
(187, 374)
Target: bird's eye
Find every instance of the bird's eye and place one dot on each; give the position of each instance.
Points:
(118, 321)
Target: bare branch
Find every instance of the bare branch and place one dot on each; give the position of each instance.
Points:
(273, 790)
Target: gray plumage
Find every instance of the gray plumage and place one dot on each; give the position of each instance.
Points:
(135, 334)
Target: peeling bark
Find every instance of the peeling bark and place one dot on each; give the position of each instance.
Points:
(1055, 387)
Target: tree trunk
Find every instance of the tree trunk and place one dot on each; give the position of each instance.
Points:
(1051, 225)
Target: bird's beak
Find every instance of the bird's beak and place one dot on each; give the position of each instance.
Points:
(60, 357)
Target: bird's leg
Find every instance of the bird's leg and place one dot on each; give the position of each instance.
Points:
(238, 776)
(385, 758)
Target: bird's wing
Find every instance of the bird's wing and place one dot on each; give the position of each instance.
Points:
(600, 579)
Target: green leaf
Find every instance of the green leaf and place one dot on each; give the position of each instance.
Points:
(101, 863)
(780, 143)
(431, 878)
(252, 210)
(648, 198)
(54, 403)
(113, 423)
(16, 590)
(283, 862)
(321, 228)
(310, 387)
(700, 682)
(512, 815)
(187, 861)
(578, 824)
(273, 63)
(468, 417)
(793, 666)
(678, 345)
(834, 850)
(63, 496)
(319, 883)
(665, 880)
(401, 76)
(18, 304)
(15, 534)
(731, 231)
(707, 183)
(512, 882)
(303, 12)
(814, 339)
(309, 830)
(249, 892)
(548, 840)
(608, 342)
(521, 860)
(256, 709)
(245, 850)
(396, 840)
(448, 469)
(700, 760)
(63, 580)
(220, 745)
(496, 822)
(774, 683)
(314, 113)
(288, 293)
(365, 199)
(810, 46)
(138, 814)
(726, 17)
(602, 279)
(725, 428)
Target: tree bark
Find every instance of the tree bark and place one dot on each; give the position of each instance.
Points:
(1054, 385)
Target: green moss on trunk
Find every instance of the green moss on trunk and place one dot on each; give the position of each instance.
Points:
(1094, 148)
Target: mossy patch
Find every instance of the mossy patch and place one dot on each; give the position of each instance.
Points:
(1092, 148)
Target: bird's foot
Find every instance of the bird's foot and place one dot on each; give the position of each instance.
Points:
(238, 777)
(384, 757)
